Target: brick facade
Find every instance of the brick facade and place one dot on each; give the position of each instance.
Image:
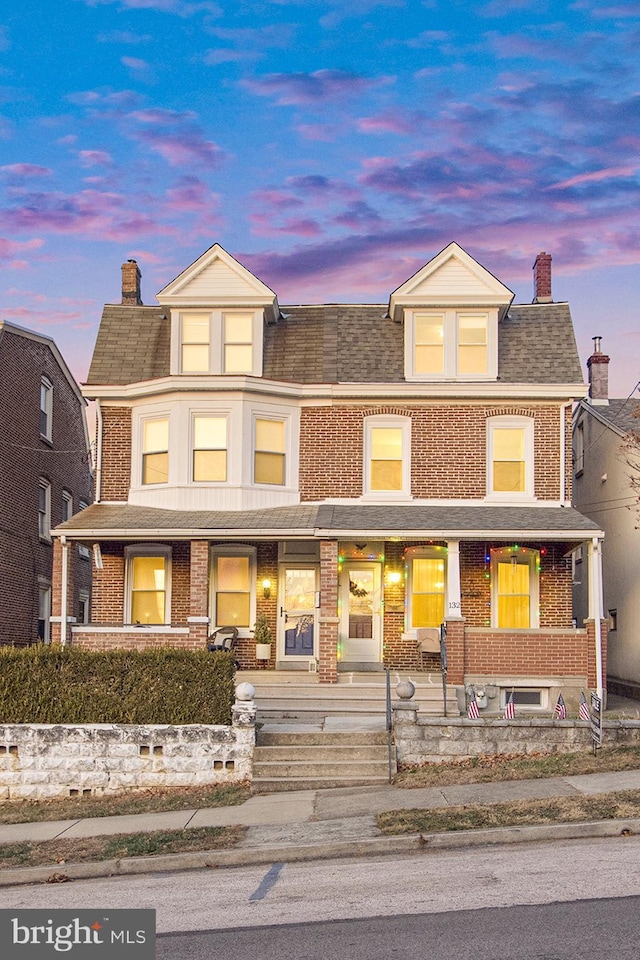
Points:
(116, 453)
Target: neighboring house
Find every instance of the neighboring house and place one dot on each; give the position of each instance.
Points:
(357, 473)
(45, 477)
(603, 491)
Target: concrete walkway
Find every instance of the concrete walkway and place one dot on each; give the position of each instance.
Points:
(319, 824)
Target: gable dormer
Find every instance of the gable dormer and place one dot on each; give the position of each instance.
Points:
(451, 309)
(218, 312)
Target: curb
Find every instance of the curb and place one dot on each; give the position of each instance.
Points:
(290, 853)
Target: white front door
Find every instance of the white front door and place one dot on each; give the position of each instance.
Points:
(297, 621)
(361, 613)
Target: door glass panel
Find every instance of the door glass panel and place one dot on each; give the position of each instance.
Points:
(299, 617)
(361, 588)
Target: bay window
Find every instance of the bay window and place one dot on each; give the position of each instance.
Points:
(209, 449)
(155, 451)
(269, 452)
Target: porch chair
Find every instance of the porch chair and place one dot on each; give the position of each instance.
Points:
(427, 641)
(224, 638)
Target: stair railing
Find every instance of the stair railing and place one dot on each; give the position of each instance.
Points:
(389, 724)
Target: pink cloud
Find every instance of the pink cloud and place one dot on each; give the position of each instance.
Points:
(10, 249)
(176, 137)
(389, 122)
(26, 170)
(595, 176)
(93, 158)
(289, 89)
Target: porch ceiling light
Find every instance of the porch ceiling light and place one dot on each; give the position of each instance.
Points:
(393, 576)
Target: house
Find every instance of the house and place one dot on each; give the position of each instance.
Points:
(45, 476)
(357, 473)
(604, 471)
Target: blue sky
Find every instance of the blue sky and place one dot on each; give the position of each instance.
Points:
(333, 146)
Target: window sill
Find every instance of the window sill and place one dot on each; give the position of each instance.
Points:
(131, 628)
(46, 440)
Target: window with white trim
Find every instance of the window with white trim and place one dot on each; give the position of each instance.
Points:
(218, 342)
(83, 606)
(578, 448)
(510, 454)
(155, 451)
(209, 449)
(426, 582)
(451, 344)
(83, 550)
(148, 583)
(387, 456)
(233, 588)
(46, 408)
(44, 509)
(44, 610)
(269, 458)
(514, 588)
(67, 505)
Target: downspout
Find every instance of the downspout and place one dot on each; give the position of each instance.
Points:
(563, 453)
(64, 588)
(597, 610)
(98, 490)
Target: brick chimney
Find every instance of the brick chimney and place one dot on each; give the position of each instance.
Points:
(542, 278)
(598, 364)
(131, 284)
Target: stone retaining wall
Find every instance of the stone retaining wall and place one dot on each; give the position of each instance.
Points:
(438, 740)
(42, 761)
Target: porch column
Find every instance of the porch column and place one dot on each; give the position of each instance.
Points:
(199, 593)
(596, 606)
(329, 620)
(454, 606)
(62, 591)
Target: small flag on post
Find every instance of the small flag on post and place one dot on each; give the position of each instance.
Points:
(473, 712)
(510, 708)
(561, 709)
(583, 712)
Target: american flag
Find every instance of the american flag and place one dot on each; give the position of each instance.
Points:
(583, 712)
(561, 709)
(510, 708)
(472, 710)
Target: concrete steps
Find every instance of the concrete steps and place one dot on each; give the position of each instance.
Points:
(316, 759)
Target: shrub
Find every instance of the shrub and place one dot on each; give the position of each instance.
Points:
(43, 684)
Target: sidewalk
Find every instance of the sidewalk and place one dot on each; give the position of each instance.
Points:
(317, 824)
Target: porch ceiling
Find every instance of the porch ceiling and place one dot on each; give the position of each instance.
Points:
(123, 521)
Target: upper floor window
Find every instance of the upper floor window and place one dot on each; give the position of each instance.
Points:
(83, 549)
(209, 449)
(510, 456)
(67, 505)
(155, 451)
(426, 586)
(46, 408)
(514, 588)
(44, 509)
(387, 455)
(450, 344)
(578, 448)
(269, 452)
(218, 342)
(148, 583)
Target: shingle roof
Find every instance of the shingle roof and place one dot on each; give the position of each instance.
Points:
(339, 343)
(310, 519)
(624, 415)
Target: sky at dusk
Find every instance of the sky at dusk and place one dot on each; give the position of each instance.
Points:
(332, 146)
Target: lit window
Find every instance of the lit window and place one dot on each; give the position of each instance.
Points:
(195, 342)
(386, 458)
(429, 343)
(44, 509)
(46, 408)
(238, 342)
(148, 588)
(155, 451)
(210, 449)
(426, 588)
(233, 588)
(472, 343)
(514, 579)
(510, 456)
(269, 457)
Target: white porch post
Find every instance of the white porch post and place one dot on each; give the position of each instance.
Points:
(64, 586)
(454, 606)
(596, 605)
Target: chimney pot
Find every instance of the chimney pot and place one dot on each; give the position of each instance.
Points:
(542, 278)
(131, 284)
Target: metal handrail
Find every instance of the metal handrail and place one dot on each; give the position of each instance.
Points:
(389, 723)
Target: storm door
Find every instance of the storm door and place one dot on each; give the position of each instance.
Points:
(360, 613)
(297, 622)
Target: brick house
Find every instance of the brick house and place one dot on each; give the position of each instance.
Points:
(605, 470)
(45, 476)
(357, 473)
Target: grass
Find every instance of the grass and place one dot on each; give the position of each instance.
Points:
(492, 769)
(609, 806)
(140, 801)
(56, 853)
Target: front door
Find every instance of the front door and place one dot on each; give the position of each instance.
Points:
(360, 620)
(297, 622)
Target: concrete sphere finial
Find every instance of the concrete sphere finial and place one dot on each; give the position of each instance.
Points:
(405, 689)
(245, 691)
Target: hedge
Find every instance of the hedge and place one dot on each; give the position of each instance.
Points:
(49, 684)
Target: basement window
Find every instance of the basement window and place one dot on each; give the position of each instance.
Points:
(524, 697)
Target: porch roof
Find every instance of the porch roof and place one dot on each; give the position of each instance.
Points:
(123, 521)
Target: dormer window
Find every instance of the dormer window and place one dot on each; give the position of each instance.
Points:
(220, 342)
(195, 342)
(238, 342)
(450, 344)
